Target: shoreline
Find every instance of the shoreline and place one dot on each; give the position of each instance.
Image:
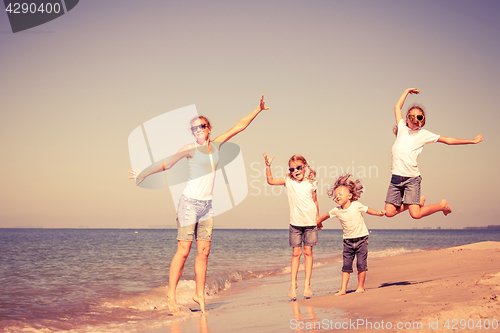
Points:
(256, 305)
(427, 287)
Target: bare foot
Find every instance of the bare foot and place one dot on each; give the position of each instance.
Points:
(173, 307)
(422, 200)
(201, 302)
(446, 207)
(307, 291)
(359, 291)
(293, 292)
(340, 293)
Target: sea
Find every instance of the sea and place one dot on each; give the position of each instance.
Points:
(115, 280)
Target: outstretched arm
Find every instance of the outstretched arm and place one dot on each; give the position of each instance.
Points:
(269, 175)
(375, 212)
(455, 141)
(401, 101)
(243, 123)
(183, 152)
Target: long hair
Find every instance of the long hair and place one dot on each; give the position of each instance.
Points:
(354, 187)
(413, 106)
(312, 174)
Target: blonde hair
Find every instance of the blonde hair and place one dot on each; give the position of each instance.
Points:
(354, 187)
(312, 174)
(413, 106)
(201, 118)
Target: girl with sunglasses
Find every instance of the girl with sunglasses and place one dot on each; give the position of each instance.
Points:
(203, 157)
(304, 212)
(404, 189)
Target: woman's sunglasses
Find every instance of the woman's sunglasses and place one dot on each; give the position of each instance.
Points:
(300, 167)
(197, 127)
(419, 117)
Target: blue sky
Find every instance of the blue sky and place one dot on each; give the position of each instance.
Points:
(74, 88)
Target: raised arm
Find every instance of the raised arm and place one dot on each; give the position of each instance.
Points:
(243, 123)
(185, 151)
(455, 141)
(399, 105)
(269, 175)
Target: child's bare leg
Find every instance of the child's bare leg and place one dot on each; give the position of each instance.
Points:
(417, 212)
(176, 268)
(392, 210)
(308, 263)
(200, 271)
(361, 282)
(345, 281)
(297, 252)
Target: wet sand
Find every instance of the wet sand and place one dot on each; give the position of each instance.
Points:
(428, 291)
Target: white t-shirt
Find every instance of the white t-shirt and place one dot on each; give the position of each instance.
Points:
(351, 219)
(408, 146)
(303, 211)
(202, 168)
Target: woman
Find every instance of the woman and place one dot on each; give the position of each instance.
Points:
(194, 213)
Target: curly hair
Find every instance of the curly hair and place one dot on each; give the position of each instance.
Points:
(312, 174)
(354, 187)
(413, 106)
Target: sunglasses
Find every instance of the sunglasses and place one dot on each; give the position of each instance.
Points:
(419, 117)
(300, 167)
(197, 127)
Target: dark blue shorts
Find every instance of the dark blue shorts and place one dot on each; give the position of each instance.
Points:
(355, 247)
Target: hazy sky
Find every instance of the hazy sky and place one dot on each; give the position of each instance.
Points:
(73, 89)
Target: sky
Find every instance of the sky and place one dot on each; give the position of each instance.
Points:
(73, 89)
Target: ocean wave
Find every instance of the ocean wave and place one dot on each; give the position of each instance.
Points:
(155, 299)
(389, 252)
(226, 278)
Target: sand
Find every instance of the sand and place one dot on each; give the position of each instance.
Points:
(441, 289)
(428, 291)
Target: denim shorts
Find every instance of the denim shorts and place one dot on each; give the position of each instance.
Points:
(404, 190)
(195, 219)
(306, 235)
(355, 247)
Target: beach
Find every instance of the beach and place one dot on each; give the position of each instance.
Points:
(442, 289)
(115, 281)
(452, 289)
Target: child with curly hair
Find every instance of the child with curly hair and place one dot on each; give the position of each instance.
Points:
(304, 212)
(346, 193)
